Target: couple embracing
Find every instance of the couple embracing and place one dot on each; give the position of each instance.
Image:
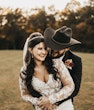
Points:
(51, 74)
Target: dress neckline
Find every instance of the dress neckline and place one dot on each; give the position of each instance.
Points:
(41, 80)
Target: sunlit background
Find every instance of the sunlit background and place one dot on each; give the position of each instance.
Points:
(28, 4)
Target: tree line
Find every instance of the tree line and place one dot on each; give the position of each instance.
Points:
(16, 25)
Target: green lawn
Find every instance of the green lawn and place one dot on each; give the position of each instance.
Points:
(10, 99)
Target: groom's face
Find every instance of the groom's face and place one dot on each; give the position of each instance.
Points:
(58, 53)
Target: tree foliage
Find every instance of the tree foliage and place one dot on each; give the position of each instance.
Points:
(16, 25)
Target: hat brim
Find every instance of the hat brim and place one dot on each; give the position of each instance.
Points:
(49, 33)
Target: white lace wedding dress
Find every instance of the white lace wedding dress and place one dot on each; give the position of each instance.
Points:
(51, 89)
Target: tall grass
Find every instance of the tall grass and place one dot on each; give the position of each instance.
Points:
(10, 99)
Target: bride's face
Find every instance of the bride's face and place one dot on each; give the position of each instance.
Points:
(39, 52)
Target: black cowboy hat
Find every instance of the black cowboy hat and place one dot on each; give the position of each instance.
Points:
(59, 39)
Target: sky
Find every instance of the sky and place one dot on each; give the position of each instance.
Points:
(28, 4)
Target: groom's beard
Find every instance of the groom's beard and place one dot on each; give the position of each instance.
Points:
(56, 54)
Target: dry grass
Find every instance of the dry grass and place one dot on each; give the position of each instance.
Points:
(10, 63)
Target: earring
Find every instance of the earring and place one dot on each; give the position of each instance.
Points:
(32, 55)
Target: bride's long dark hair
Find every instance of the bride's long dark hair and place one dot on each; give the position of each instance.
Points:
(28, 72)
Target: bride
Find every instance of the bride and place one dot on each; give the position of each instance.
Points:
(41, 78)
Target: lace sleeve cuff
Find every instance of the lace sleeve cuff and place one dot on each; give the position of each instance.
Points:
(30, 99)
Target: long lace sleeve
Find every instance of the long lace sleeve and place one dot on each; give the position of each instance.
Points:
(25, 94)
(66, 79)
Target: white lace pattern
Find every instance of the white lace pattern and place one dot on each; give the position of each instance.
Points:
(51, 88)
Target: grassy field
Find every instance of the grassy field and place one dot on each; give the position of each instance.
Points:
(10, 99)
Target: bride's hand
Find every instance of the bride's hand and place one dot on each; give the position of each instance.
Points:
(45, 103)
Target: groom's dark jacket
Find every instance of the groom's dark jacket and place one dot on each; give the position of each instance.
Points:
(75, 72)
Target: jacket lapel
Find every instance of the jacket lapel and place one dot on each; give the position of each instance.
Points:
(66, 56)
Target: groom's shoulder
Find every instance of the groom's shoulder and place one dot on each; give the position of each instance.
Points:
(74, 54)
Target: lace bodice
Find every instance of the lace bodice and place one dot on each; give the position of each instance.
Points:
(46, 89)
(52, 88)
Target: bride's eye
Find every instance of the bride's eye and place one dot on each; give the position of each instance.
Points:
(39, 48)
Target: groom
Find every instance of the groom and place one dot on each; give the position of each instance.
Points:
(60, 41)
